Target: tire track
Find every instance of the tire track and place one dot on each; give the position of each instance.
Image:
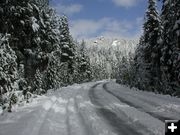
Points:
(140, 108)
(118, 125)
(150, 102)
(68, 120)
(52, 122)
(76, 124)
(36, 129)
(84, 124)
(48, 117)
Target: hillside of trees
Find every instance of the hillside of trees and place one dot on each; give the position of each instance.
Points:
(108, 56)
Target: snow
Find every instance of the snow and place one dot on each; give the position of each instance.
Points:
(53, 98)
(177, 24)
(160, 41)
(114, 43)
(123, 45)
(65, 54)
(58, 109)
(35, 6)
(100, 108)
(1, 110)
(47, 105)
(42, 22)
(35, 26)
(65, 46)
(61, 100)
(22, 22)
(178, 32)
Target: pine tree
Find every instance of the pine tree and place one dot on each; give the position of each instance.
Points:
(19, 20)
(8, 73)
(148, 53)
(123, 72)
(42, 3)
(65, 40)
(38, 83)
(139, 65)
(67, 47)
(34, 32)
(176, 47)
(166, 18)
(51, 79)
(170, 49)
(157, 56)
(169, 55)
(151, 38)
(83, 61)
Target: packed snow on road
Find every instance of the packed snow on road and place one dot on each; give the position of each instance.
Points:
(96, 108)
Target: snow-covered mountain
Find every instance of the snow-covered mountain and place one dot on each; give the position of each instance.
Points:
(124, 45)
(106, 55)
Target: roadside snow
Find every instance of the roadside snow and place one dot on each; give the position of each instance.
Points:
(1, 110)
(98, 108)
(47, 105)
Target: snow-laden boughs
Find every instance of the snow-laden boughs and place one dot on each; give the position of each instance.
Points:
(42, 46)
(35, 26)
(170, 60)
(83, 67)
(157, 58)
(8, 73)
(105, 56)
(34, 31)
(67, 46)
(148, 53)
(38, 83)
(52, 73)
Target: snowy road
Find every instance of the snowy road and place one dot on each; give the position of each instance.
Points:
(97, 108)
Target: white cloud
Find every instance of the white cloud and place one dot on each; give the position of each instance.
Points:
(126, 3)
(85, 28)
(108, 27)
(68, 9)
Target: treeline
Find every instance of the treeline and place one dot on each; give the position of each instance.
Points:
(108, 57)
(37, 52)
(156, 66)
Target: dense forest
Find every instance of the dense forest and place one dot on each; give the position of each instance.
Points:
(110, 58)
(38, 53)
(156, 65)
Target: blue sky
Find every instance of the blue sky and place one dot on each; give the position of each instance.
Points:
(111, 18)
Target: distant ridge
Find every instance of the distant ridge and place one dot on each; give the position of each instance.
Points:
(122, 44)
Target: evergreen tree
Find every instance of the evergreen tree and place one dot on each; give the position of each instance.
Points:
(8, 73)
(176, 47)
(147, 58)
(152, 27)
(157, 56)
(65, 40)
(38, 83)
(51, 79)
(170, 49)
(42, 3)
(34, 32)
(139, 66)
(67, 47)
(83, 64)
(19, 20)
(123, 72)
